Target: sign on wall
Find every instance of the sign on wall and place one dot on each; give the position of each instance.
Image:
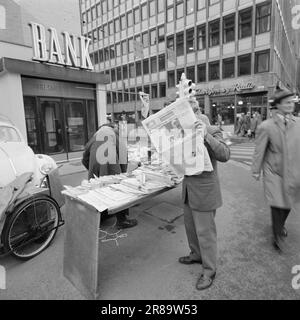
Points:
(2, 18)
(75, 52)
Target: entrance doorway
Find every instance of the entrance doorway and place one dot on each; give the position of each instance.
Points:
(59, 127)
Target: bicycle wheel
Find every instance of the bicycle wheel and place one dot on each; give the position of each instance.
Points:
(31, 227)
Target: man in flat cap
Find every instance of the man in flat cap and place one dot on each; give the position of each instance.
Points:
(277, 156)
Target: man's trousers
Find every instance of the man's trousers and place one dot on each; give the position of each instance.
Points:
(279, 217)
(202, 238)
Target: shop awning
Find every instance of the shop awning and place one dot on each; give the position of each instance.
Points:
(48, 71)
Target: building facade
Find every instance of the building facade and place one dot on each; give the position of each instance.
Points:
(236, 52)
(46, 86)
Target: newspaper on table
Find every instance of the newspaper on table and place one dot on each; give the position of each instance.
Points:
(172, 133)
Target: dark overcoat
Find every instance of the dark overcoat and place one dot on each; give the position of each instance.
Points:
(203, 191)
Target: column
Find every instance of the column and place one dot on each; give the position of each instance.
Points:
(101, 104)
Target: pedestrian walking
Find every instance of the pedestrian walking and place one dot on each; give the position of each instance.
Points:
(98, 166)
(277, 155)
(201, 198)
(253, 126)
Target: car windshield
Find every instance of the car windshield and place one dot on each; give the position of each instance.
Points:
(8, 134)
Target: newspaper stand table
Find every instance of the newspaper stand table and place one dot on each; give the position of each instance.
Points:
(82, 245)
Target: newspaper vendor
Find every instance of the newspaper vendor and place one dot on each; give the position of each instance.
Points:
(201, 198)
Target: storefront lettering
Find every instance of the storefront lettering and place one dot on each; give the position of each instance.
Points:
(236, 88)
(296, 17)
(55, 55)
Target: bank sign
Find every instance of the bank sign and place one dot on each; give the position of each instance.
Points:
(75, 52)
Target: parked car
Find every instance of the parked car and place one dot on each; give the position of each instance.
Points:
(16, 157)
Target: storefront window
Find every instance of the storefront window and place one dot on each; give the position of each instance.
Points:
(252, 103)
(224, 106)
(31, 123)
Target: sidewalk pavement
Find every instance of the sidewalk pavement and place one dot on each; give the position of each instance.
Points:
(71, 168)
(145, 264)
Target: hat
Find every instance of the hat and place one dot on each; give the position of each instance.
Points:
(278, 95)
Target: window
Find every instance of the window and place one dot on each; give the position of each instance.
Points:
(124, 47)
(105, 30)
(125, 72)
(138, 68)
(190, 40)
(189, 7)
(214, 33)
(154, 91)
(171, 79)
(116, 3)
(112, 52)
(144, 13)
(98, 7)
(123, 22)
(162, 90)
(106, 54)
(180, 44)
(109, 5)
(145, 39)
(170, 43)
(201, 71)
(229, 28)
(130, 45)
(179, 9)
(96, 57)
(119, 74)
(132, 95)
(161, 62)
(201, 4)
(129, 19)
(212, 2)
(113, 75)
(153, 63)
(170, 14)
(160, 6)
(118, 49)
(126, 95)
(263, 18)
(228, 68)
(117, 25)
(214, 70)
(153, 37)
(114, 97)
(146, 66)
(201, 37)
(245, 23)
(108, 97)
(179, 74)
(88, 16)
(136, 13)
(262, 61)
(147, 89)
(152, 8)
(131, 70)
(104, 6)
(161, 34)
(244, 64)
(101, 56)
(190, 73)
(111, 28)
(94, 13)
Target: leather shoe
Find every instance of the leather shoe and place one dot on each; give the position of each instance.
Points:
(128, 223)
(204, 282)
(188, 260)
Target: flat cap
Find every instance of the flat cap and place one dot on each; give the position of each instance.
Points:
(278, 95)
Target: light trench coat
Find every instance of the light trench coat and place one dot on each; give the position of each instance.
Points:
(277, 154)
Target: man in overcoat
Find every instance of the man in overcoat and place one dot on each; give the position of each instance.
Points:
(102, 160)
(201, 198)
(277, 156)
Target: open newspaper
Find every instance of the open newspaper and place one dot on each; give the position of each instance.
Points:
(172, 133)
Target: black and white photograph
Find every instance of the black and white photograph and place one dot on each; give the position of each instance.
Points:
(92, 209)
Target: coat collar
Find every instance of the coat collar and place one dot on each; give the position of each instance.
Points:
(279, 122)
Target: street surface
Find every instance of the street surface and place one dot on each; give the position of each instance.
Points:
(144, 265)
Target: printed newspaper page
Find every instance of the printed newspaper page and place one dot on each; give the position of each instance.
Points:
(172, 133)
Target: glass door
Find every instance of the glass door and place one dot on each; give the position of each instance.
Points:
(75, 127)
(52, 127)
